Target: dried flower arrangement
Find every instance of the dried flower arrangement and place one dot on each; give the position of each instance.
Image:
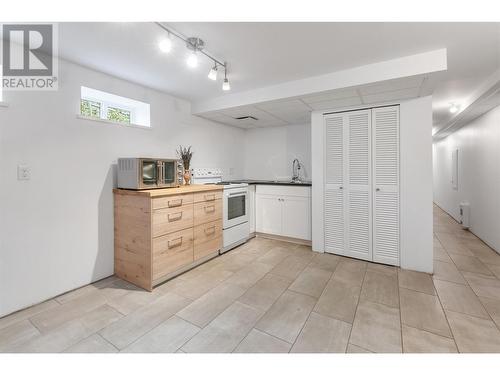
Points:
(185, 154)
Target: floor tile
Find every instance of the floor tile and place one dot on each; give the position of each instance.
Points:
(492, 306)
(350, 271)
(274, 256)
(382, 268)
(441, 255)
(459, 298)
(311, 281)
(447, 272)
(339, 301)
(168, 337)
(322, 334)
(377, 328)
(131, 301)
(92, 344)
(484, 286)
(129, 328)
(290, 267)
(265, 292)
(16, 334)
(470, 264)
(495, 269)
(72, 309)
(27, 313)
(259, 342)
(249, 275)
(474, 335)
(199, 285)
(99, 318)
(203, 310)
(417, 281)
(423, 311)
(418, 341)
(287, 316)
(226, 331)
(325, 261)
(57, 340)
(380, 288)
(354, 349)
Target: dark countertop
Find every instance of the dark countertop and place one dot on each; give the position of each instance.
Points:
(272, 182)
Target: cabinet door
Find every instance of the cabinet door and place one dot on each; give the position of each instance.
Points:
(268, 214)
(386, 243)
(334, 218)
(297, 217)
(357, 186)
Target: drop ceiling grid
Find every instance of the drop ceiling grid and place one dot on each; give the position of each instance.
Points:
(294, 111)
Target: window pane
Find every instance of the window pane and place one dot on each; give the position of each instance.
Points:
(90, 108)
(119, 115)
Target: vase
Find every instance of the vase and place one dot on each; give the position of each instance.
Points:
(187, 177)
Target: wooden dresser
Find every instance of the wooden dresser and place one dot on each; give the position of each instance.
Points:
(162, 232)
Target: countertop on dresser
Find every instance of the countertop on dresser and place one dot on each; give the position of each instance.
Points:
(273, 182)
(170, 191)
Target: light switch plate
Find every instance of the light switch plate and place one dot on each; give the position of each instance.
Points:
(23, 172)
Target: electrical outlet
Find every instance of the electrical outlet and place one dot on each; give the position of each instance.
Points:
(23, 172)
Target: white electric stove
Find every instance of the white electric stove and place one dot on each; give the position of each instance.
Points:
(236, 228)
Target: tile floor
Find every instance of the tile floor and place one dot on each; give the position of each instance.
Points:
(271, 296)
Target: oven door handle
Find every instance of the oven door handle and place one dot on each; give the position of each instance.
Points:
(237, 194)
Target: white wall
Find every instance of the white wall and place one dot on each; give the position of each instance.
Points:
(478, 145)
(269, 152)
(415, 183)
(57, 228)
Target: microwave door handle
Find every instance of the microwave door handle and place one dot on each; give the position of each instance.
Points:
(159, 180)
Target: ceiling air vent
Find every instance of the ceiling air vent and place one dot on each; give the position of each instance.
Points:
(246, 118)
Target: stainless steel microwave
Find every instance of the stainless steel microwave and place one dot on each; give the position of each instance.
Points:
(148, 173)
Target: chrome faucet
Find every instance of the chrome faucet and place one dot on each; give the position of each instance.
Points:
(296, 170)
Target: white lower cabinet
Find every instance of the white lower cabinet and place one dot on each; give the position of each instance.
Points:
(251, 208)
(283, 211)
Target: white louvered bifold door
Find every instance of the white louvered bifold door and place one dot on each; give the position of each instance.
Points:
(385, 131)
(334, 212)
(357, 186)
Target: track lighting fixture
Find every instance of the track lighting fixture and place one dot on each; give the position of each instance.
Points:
(226, 86)
(453, 108)
(192, 60)
(213, 73)
(165, 45)
(196, 47)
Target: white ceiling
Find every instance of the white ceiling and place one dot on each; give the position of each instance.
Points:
(298, 110)
(263, 54)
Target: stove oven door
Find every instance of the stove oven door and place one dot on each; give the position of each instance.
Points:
(235, 207)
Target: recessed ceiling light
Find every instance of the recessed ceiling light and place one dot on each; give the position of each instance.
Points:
(453, 108)
(165, 45)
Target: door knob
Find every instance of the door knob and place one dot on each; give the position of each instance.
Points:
(377, 189)
(341, 187)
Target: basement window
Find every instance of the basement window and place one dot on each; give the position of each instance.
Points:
(103, 106)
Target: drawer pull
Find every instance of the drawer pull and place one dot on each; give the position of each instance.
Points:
(175, 217)
(210, 208)
(209, 231)
(175, 243)
(175, 203)
(209, 197)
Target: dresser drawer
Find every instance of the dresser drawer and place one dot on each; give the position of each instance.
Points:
(205, 212)
(171, 252)
(207, 239)
(168, 220)
(207, 196)
(172, 201)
